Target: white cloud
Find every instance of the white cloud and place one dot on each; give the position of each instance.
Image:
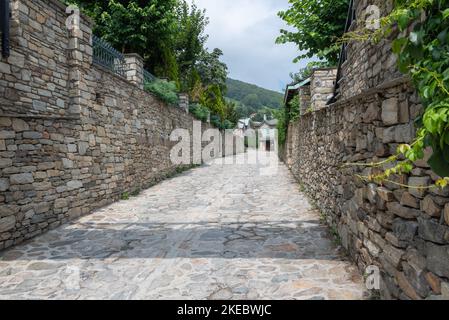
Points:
(246, 31)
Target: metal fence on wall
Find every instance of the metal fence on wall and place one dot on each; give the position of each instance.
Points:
(108, 57)
(148, 77)
(105, 55)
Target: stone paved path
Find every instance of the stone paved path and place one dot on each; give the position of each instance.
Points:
(215, 232)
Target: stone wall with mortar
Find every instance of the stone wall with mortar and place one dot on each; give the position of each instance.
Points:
(73, 136)
(403, 231)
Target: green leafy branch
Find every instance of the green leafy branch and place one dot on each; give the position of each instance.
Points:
(420, 29)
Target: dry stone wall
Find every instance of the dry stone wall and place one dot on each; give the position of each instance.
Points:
(73, 136)
(304, 99)
(34, 80)
(403, 231)
(368, 65)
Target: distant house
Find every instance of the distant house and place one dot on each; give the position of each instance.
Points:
(266, 131)
(242, 126)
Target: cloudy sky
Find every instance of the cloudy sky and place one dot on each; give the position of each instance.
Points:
(246, 31)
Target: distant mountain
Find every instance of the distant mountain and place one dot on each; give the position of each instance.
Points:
(252, 99)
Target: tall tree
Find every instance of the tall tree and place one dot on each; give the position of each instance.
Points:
(211, 70)
(212, 98)
(190, 36)
(318, 24)
(231, 112)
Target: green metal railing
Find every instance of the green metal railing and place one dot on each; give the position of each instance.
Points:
(105, 55)
(148, 77)
(108, 57)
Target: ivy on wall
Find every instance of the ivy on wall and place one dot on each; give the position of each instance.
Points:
(422, 47)
(424, 54)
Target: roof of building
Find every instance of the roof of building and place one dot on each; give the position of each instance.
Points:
(292, 89)
(270, 123)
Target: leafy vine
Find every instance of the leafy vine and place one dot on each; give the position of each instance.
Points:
(421, 30)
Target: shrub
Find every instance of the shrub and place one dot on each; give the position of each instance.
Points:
(228, 125)
(199, 111)
(164, 90)
(215, 121)
(125, 196)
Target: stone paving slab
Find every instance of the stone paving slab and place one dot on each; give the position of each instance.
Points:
(215, 232)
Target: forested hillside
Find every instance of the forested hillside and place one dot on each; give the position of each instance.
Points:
(252, 99)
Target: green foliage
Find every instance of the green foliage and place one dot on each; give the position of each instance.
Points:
(190, 40)
(143, 27)
(283, 120)
(211, 70)
(285, 116)
(228, 122)
(164, 90)
(125, 196)
(231, 116)
(215, 120)
(422, 47)
(194, 85)
(212, 98)
(293, 108)
(424, 54)
(318, 24)
(168, 67)
(250, 99)
(198, 111)
(168, 34)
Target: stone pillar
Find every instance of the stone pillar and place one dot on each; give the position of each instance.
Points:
(80, 53)
(304, 99)
(16, 32)
(184, 102)
(322, 86)
(134, 69)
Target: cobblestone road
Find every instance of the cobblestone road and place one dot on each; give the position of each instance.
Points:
(215, 232)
